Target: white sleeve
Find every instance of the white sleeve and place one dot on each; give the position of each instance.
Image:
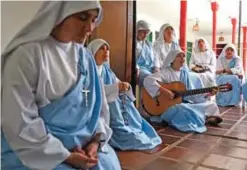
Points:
(151, 83)
(191, 62)
(22, 126)
(155, 64)
(138, 53)
(103, 125)
(212, 64)
(111, 92)
(157, 53)
(219, 65)
(238, 67)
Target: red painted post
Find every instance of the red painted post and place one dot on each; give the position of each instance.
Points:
(183, 24)
(244, 47)
(234, 24)
(214, 8)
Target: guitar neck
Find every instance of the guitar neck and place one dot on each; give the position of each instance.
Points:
(196, 91)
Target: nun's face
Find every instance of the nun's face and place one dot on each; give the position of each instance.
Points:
(79, 26)
(201, 45)
(142, 34)
(229, 53)
(168, 32)
(102, 55)
(179, 60)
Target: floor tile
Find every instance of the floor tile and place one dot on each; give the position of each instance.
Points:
(156, 150)
(224, 162)
(197, 145)
(216, 131)
(237, 109)
(133, 159)
(204, 137)
(171, 131)
(243, 123)
(231, 117)
(168, 140)
(230, 151)
(203, 168)
(223, 109)
(182, 154)
(237, 134)
(232, 122)
(165, 164)
(232, 142)
(229, 154)
(237, 114)
(241, 128)
(221, 126)
(245, 119)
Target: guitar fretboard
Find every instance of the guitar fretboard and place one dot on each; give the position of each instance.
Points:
(196, 91)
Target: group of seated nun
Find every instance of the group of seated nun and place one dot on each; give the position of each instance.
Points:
(162, 62)
(125, 119)
(64, 108)
(205, 69)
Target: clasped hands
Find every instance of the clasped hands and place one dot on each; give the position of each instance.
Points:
(123, 86)
(84, 158)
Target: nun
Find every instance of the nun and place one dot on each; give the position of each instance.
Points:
(203, 62)
(166, 41)
(130, 130)
(144, 52)
(52, 99)
(185, 117)
(229, 70)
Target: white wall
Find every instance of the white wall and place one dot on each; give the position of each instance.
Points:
(15, 15)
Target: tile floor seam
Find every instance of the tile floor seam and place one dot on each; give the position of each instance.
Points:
(231, 129)
(217, 142)
(191, 163)
(244, 159)
(225, 111)
(212, 167)
(169, 147)
(175, 144)
(206, 155)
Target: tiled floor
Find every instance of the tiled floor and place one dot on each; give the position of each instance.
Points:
(221, 148)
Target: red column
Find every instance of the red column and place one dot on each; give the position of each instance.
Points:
(214, 7)
(244, 47)
(234, 24)
(183, 24)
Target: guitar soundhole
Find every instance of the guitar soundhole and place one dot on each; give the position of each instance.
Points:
(176, 94)
(157, 101)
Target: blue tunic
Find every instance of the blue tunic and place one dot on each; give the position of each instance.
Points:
(145, 61)
(70, 120)
(231, 97)
(244, 90)
(130, 130)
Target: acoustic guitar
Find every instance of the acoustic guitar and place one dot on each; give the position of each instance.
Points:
(158, 105)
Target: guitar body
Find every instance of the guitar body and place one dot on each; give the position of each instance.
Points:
(158, 105)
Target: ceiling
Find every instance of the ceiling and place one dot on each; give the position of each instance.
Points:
(162, 11)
